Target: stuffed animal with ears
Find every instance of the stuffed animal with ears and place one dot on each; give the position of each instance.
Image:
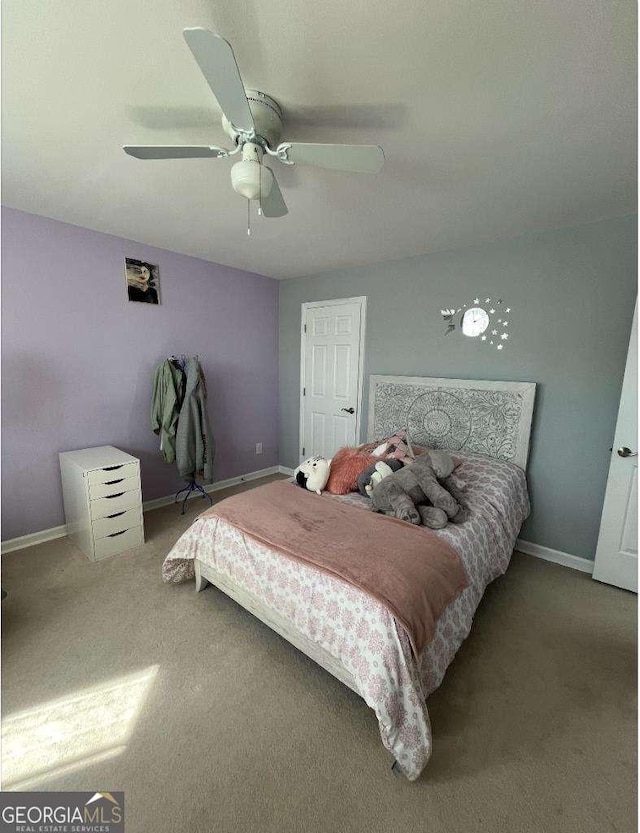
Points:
(414, 494)
(396, 447)
(375, 473)
(313, 474)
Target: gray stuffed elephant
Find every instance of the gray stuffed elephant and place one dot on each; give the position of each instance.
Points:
(414, 494)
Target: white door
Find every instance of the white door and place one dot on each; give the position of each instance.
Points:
(617, 551)
(331, 375)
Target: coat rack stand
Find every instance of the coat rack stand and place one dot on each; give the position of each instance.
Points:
(192, 486)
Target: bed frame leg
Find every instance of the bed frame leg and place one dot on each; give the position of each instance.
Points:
(201, 581)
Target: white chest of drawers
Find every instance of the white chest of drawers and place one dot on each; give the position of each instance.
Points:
(102, 500)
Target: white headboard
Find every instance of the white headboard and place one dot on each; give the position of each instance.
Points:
(493, 418)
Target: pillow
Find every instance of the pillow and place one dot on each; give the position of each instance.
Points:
(347, 465)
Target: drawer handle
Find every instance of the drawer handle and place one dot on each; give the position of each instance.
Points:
(108, 497)
(113, 468)
(113, 482)
(117, 514)
(113, 534)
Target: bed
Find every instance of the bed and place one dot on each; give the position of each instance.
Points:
(349, 633)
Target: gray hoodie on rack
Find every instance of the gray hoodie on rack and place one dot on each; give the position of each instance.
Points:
(195, 445)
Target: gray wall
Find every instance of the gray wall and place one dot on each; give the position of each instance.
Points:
(572, 293)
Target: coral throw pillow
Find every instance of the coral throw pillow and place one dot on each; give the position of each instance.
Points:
(346, 466)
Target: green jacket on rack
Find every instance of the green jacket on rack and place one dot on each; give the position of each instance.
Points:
(168, 384)
(195, 445)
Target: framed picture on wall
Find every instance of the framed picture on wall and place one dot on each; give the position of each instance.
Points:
(143, 281)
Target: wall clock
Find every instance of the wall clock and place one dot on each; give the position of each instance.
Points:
(481, 319)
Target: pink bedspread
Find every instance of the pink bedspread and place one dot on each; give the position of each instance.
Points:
(358, 630)
(414, 573)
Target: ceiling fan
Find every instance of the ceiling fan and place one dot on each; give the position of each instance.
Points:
(253, 121)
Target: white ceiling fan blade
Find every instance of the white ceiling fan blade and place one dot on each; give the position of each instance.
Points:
(174, 151)
(218, 64)
(274, 205)
(367, 159)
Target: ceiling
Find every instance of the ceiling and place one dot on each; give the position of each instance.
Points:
(497, 117)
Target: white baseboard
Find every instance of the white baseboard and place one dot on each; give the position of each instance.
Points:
(585, 565)
(285, 470)
(33, 538)
(13, 544)
(213, 487)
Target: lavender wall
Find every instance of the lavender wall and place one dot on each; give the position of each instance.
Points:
(78, 359)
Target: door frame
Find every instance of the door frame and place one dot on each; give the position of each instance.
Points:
(307, 305)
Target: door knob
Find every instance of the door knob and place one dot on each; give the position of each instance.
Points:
(348, 410)
(626, 452)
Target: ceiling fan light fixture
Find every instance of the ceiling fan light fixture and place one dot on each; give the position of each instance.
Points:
(251, 179)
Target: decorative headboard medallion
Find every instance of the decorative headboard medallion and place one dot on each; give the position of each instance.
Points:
(492, 418)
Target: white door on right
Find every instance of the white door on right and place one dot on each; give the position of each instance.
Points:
(617, 552)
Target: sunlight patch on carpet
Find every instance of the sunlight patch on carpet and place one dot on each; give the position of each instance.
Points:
(73, 732)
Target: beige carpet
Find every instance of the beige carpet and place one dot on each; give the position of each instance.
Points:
(210, 722)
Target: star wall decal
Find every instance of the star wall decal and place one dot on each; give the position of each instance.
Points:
(476, 321)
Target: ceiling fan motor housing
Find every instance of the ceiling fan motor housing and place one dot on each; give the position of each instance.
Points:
(267, 117)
